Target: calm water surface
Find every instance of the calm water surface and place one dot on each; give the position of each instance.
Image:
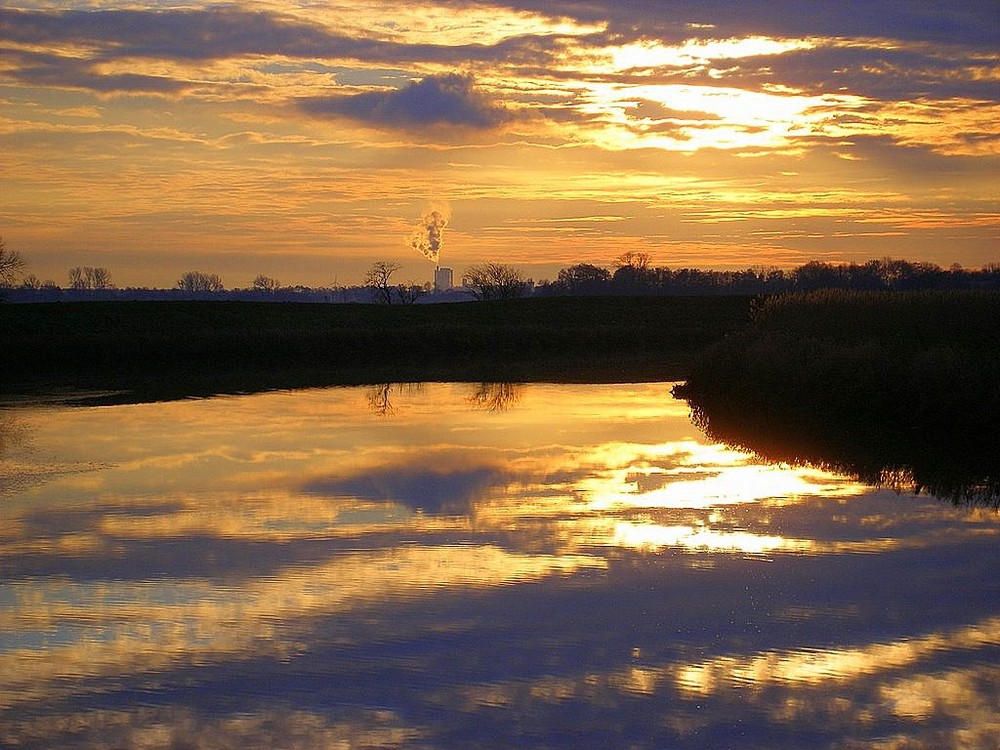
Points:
(462, 566)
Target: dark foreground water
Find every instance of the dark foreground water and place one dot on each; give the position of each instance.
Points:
(459, 566)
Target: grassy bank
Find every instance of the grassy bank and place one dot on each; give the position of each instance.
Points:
(893, 387)
(224, 346)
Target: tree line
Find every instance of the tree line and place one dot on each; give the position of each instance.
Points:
(631, 273)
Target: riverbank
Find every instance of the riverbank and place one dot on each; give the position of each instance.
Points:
(166, 349)
(897, 388)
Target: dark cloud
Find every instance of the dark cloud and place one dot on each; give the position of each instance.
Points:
(918, 163)
(971, 22)
(224, 32)
(177, 34)
(51, 70)
(869, 70)
(138, 34)
(436, 100)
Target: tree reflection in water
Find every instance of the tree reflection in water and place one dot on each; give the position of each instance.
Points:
(956, 465)
(491, 397)
(379, 396)
(496, 396)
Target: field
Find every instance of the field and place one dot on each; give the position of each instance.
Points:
(166, 349)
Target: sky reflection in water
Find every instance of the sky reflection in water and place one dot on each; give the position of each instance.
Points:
(452, 565)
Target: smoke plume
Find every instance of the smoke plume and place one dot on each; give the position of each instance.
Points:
(429, 237)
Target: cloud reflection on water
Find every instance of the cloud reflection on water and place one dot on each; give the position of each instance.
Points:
(585, 547)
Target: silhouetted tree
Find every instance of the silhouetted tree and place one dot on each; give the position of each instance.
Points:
(409, 293)
(76, 280)
(632, 259)
(31, 282)
(87, 277)
(816, 275)
(100, 278)
(11, 264)
(196, 281)
(632, 272)
(378, 278)
(265, 284)
(583, 278)
(495, 281)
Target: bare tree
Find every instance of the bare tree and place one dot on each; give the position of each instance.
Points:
(31, 282)
(11, 264)
(196, 281)
(87, 277)
(378, 278)
(633, 260)
(265, 284)
(76, 278)
(100, 278)
(495, 281)
(409, 292)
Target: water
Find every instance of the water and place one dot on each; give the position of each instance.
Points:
(459, 566)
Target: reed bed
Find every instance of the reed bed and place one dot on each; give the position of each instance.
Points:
(886, 384)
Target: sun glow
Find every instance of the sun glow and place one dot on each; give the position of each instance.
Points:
(702, 486)
(681, 117)
(654, 537)
(697, 52)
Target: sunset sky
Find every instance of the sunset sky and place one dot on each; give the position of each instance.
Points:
(304, 139)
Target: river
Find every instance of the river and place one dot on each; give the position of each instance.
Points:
(453, 565)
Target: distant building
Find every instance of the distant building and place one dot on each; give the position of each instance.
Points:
(443, 279)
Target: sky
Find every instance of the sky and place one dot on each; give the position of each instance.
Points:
(306, 139)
